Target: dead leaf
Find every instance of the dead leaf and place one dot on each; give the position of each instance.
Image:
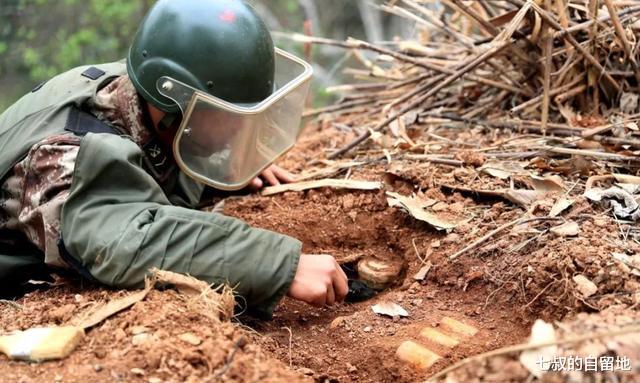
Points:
(503, 169)
(520, 197)
(327, 182)
(567, 229)
(416, 209)
(561, 205)
(548, 184)
(541, 332)
(100, 313)
(585, 286)
(389, 308)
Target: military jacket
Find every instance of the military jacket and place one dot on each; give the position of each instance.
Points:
(118, 219)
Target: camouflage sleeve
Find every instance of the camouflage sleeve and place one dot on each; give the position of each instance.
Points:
(37, 189)
(118, 224)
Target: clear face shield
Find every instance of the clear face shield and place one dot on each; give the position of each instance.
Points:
(226, 145)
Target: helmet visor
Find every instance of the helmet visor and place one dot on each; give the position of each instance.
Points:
(226, 145)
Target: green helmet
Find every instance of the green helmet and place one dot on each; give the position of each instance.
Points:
(220, 47)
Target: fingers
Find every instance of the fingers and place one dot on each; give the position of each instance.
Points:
(331, 295)
(256, 184)
(284, 176)
(270, 177)
(340, 285)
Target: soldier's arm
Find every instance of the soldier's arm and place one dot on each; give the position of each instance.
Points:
(117, 224)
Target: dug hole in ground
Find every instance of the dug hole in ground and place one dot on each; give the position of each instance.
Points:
(500, 153)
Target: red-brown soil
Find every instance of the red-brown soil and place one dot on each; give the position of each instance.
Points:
(500, 288)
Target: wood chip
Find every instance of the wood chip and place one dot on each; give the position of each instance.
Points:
(327, 182)
(422, 273)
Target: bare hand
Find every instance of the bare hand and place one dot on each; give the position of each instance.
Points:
(319, 280)
(271, 176)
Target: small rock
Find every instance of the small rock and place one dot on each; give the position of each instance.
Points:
(337, 322)
(435, 244)
(190, 338)
(585, 286)
(62, 313)
(452, 238)
(567, 229)
(154, 379)
(97, 367)
(367, 329)
(78, 298)
(457, 207)
(119, 334)
(600, 221)
(142, 339)
(58, 378)
(389, 308)
(351, 368)
(100, 353)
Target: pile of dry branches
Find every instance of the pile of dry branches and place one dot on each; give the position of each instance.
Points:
(556, 68)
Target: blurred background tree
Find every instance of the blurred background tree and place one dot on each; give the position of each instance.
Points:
(40, 38)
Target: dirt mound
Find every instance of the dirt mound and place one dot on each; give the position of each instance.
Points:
(163, 338)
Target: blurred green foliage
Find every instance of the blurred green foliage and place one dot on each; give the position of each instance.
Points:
(40, 38)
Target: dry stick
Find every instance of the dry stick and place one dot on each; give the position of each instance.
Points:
(552, 93)
(532, 346)
(587, 24)
(592, 153)
(437, 68)
(474, 63)
(424, 87)
(490, 28)
(620, 32)
(335, 108)
(429, 19)
(534, 126)
(507, 225)
(594, 6)
(352, 43)
(548, 48)
(570, 93)
(568, 37)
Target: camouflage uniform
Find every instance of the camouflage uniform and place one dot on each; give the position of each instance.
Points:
(33, 195)
(112, 206)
